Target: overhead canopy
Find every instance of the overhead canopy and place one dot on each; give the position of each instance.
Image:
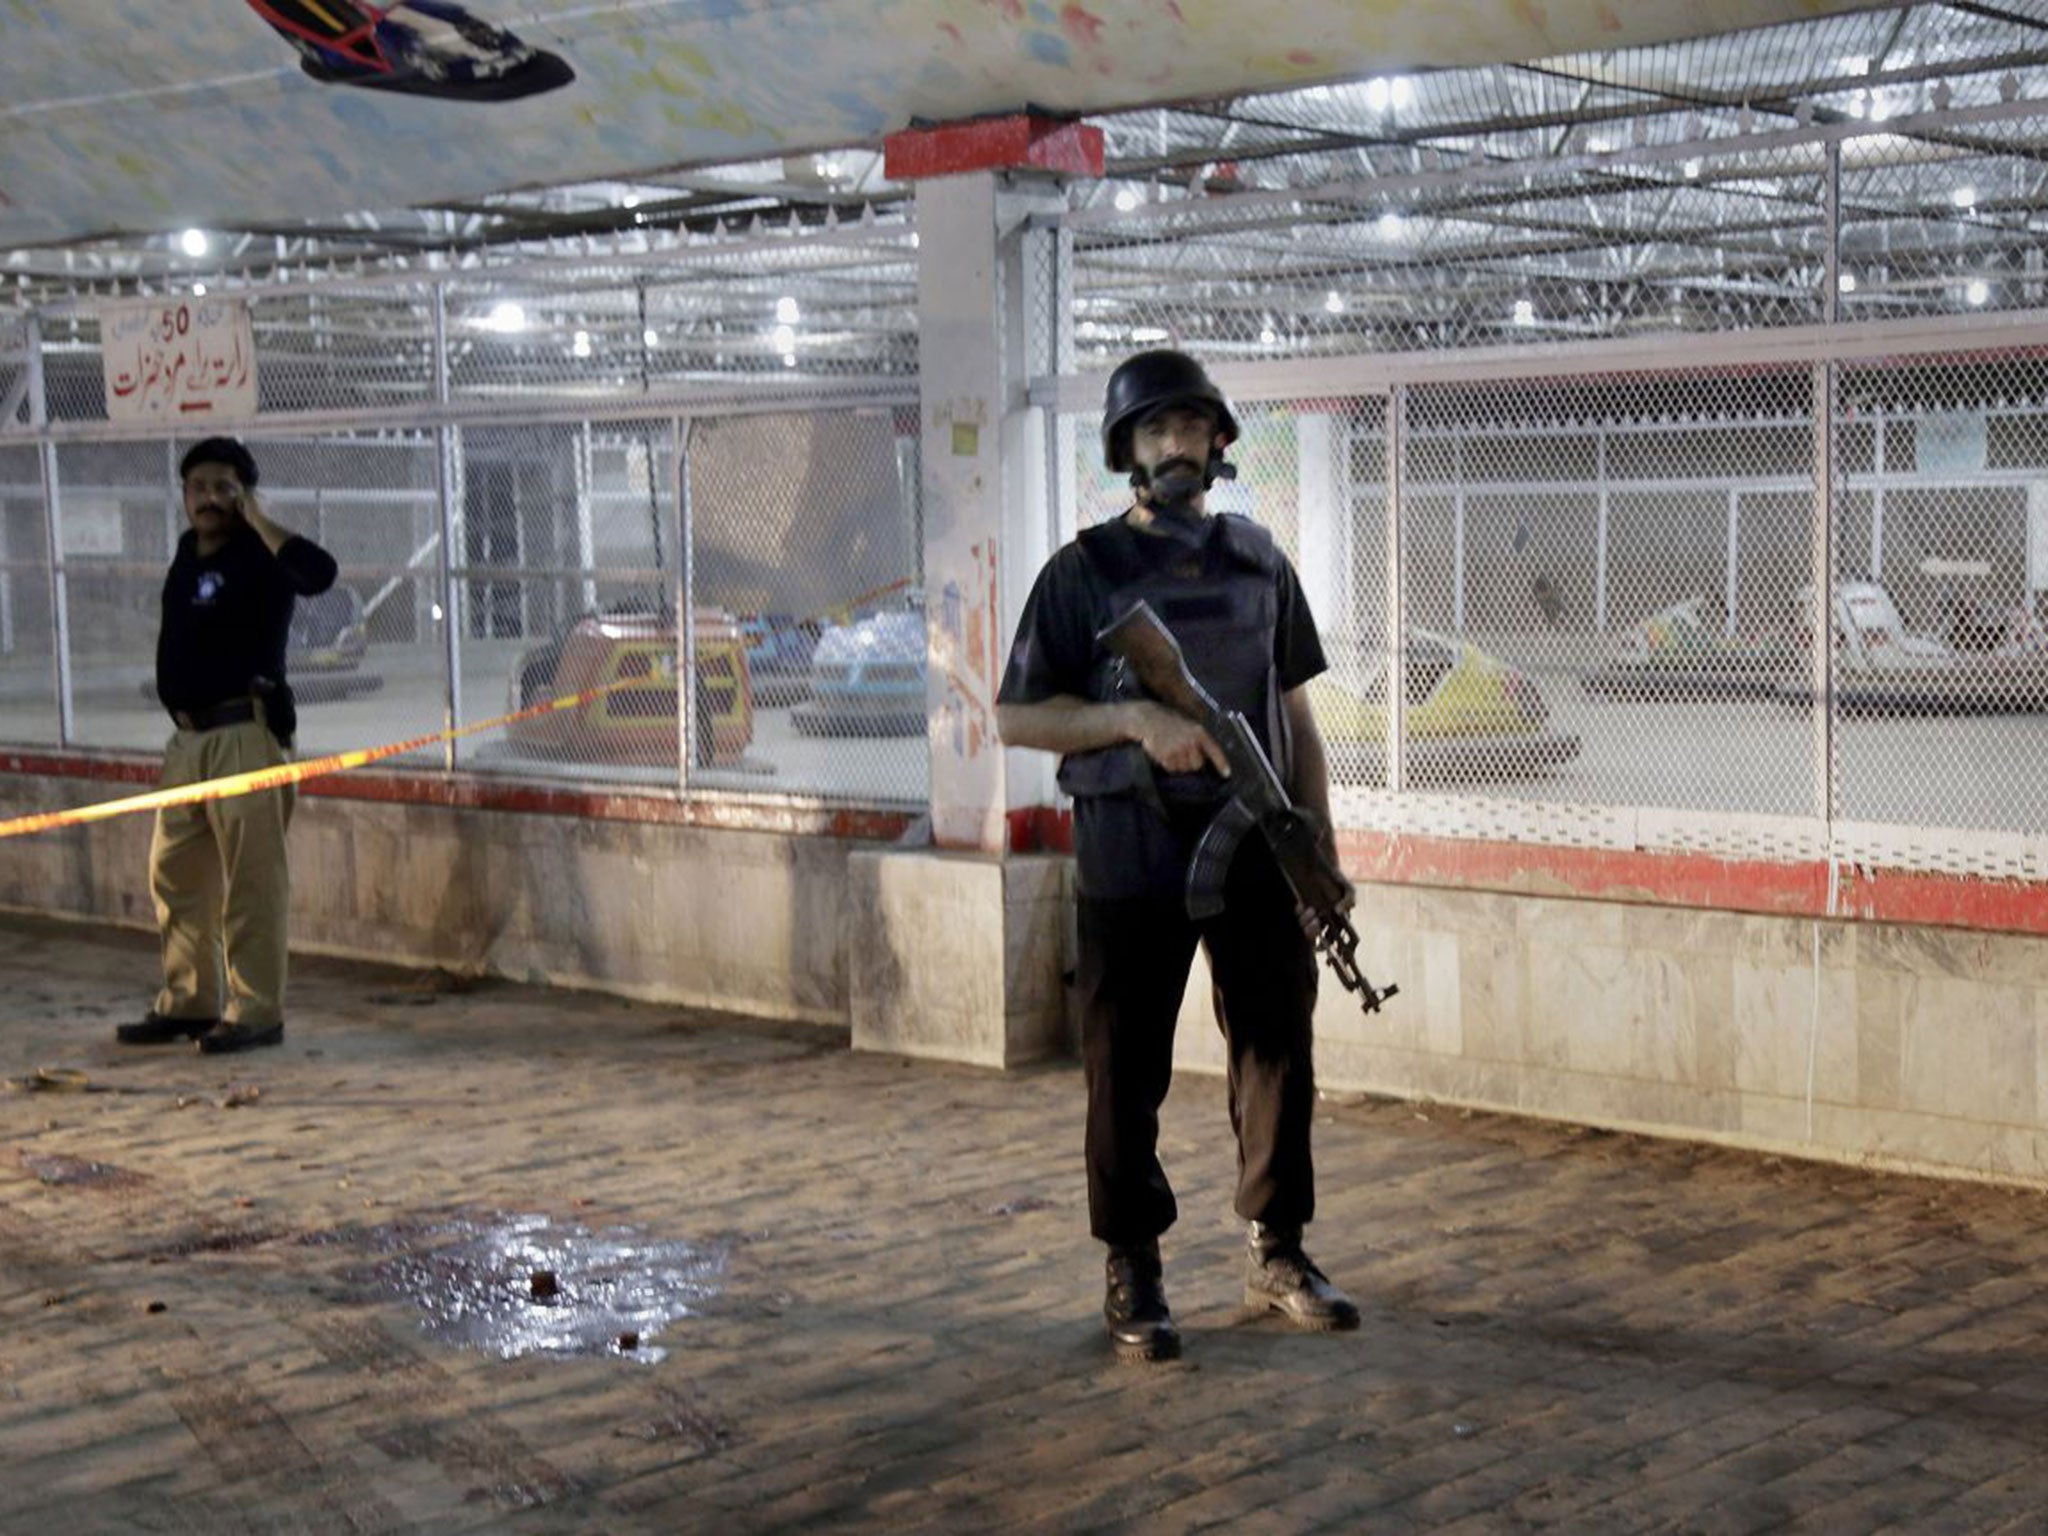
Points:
(144, 117)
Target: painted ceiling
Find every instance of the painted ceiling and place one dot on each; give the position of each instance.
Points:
(253, 113)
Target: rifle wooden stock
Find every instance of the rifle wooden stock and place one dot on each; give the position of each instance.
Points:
(1259, 800)
(1155, 659)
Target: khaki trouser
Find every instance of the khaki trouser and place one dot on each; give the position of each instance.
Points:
(217, 874)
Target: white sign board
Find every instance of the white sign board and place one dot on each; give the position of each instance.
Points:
(90, 525)
(173, 359)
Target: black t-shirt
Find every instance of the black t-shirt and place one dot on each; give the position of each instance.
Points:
(1122, 847)
(227, 615)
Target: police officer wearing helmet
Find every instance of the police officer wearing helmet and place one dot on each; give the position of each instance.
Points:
(1145, 782)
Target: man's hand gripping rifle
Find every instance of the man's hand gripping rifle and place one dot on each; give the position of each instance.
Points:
(1321, 892)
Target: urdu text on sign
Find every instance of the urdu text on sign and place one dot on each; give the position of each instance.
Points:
(178, 359)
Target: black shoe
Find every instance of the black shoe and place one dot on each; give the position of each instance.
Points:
(240, 1037)
(155, 1029)
(1281, 1278)
(1134, 1310)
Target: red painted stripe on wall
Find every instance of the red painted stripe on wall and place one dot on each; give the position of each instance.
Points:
(1693, 880)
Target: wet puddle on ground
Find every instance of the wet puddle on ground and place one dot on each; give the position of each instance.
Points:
(513, 1285)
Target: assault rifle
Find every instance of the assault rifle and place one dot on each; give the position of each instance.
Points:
(1259, 800)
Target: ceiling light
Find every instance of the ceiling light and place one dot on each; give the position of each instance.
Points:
(1126, 200)
(1525, 312)
(1148, 333)
(784, 338)
(1964, 197)
(1269, 337)
(579, 346)
(1692, 170)
(199, 290)
(1391, 226)
(1978, 291)
(193, 242)
(506, 317)
(786, 311)
(649, 337)
(630, 200)
(789, 359)
(1846, 283)
(1397, 93)
(1333, 301)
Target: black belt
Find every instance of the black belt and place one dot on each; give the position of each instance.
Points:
(212, 718)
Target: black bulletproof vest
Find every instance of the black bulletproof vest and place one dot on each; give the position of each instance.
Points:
(1223, 616)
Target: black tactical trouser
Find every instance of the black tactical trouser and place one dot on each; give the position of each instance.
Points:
(1133, 972)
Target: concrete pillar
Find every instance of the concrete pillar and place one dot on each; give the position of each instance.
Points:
(984, 288)
(959, 949)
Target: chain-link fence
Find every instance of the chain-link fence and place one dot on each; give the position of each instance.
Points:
(1940, 660)
(1603, 584)
(507, 536)
(1634, 421)
(1607, 599)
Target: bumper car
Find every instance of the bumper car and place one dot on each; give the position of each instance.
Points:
(325, 648)
(1680, 653)
(867, 679)
(1470, 718)
(1880, 669)
(636, 722)
(779, 651)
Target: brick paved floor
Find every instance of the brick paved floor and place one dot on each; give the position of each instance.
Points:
(205, 1322)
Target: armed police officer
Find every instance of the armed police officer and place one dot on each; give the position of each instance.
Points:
(217, 871)
(1146, 782)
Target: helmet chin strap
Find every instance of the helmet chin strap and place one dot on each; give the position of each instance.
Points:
(1172, 502)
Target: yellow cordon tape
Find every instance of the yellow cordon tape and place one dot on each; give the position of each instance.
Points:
(288, 773)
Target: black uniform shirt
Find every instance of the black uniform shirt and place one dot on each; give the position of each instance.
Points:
(227, 615)
(1122, 847)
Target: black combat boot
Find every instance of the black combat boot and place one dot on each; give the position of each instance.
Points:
(1281, 1278)
(1135, 1311)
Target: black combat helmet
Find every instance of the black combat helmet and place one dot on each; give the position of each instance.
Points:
(1149, 382)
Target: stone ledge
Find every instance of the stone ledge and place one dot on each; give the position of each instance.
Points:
(957, 956)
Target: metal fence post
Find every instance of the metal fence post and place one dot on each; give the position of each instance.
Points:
(1824, 380)
(1397, 592)
(688, 724)
(53, 532)
(445, 474)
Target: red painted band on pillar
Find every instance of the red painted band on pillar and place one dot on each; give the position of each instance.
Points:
(1021, 141)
